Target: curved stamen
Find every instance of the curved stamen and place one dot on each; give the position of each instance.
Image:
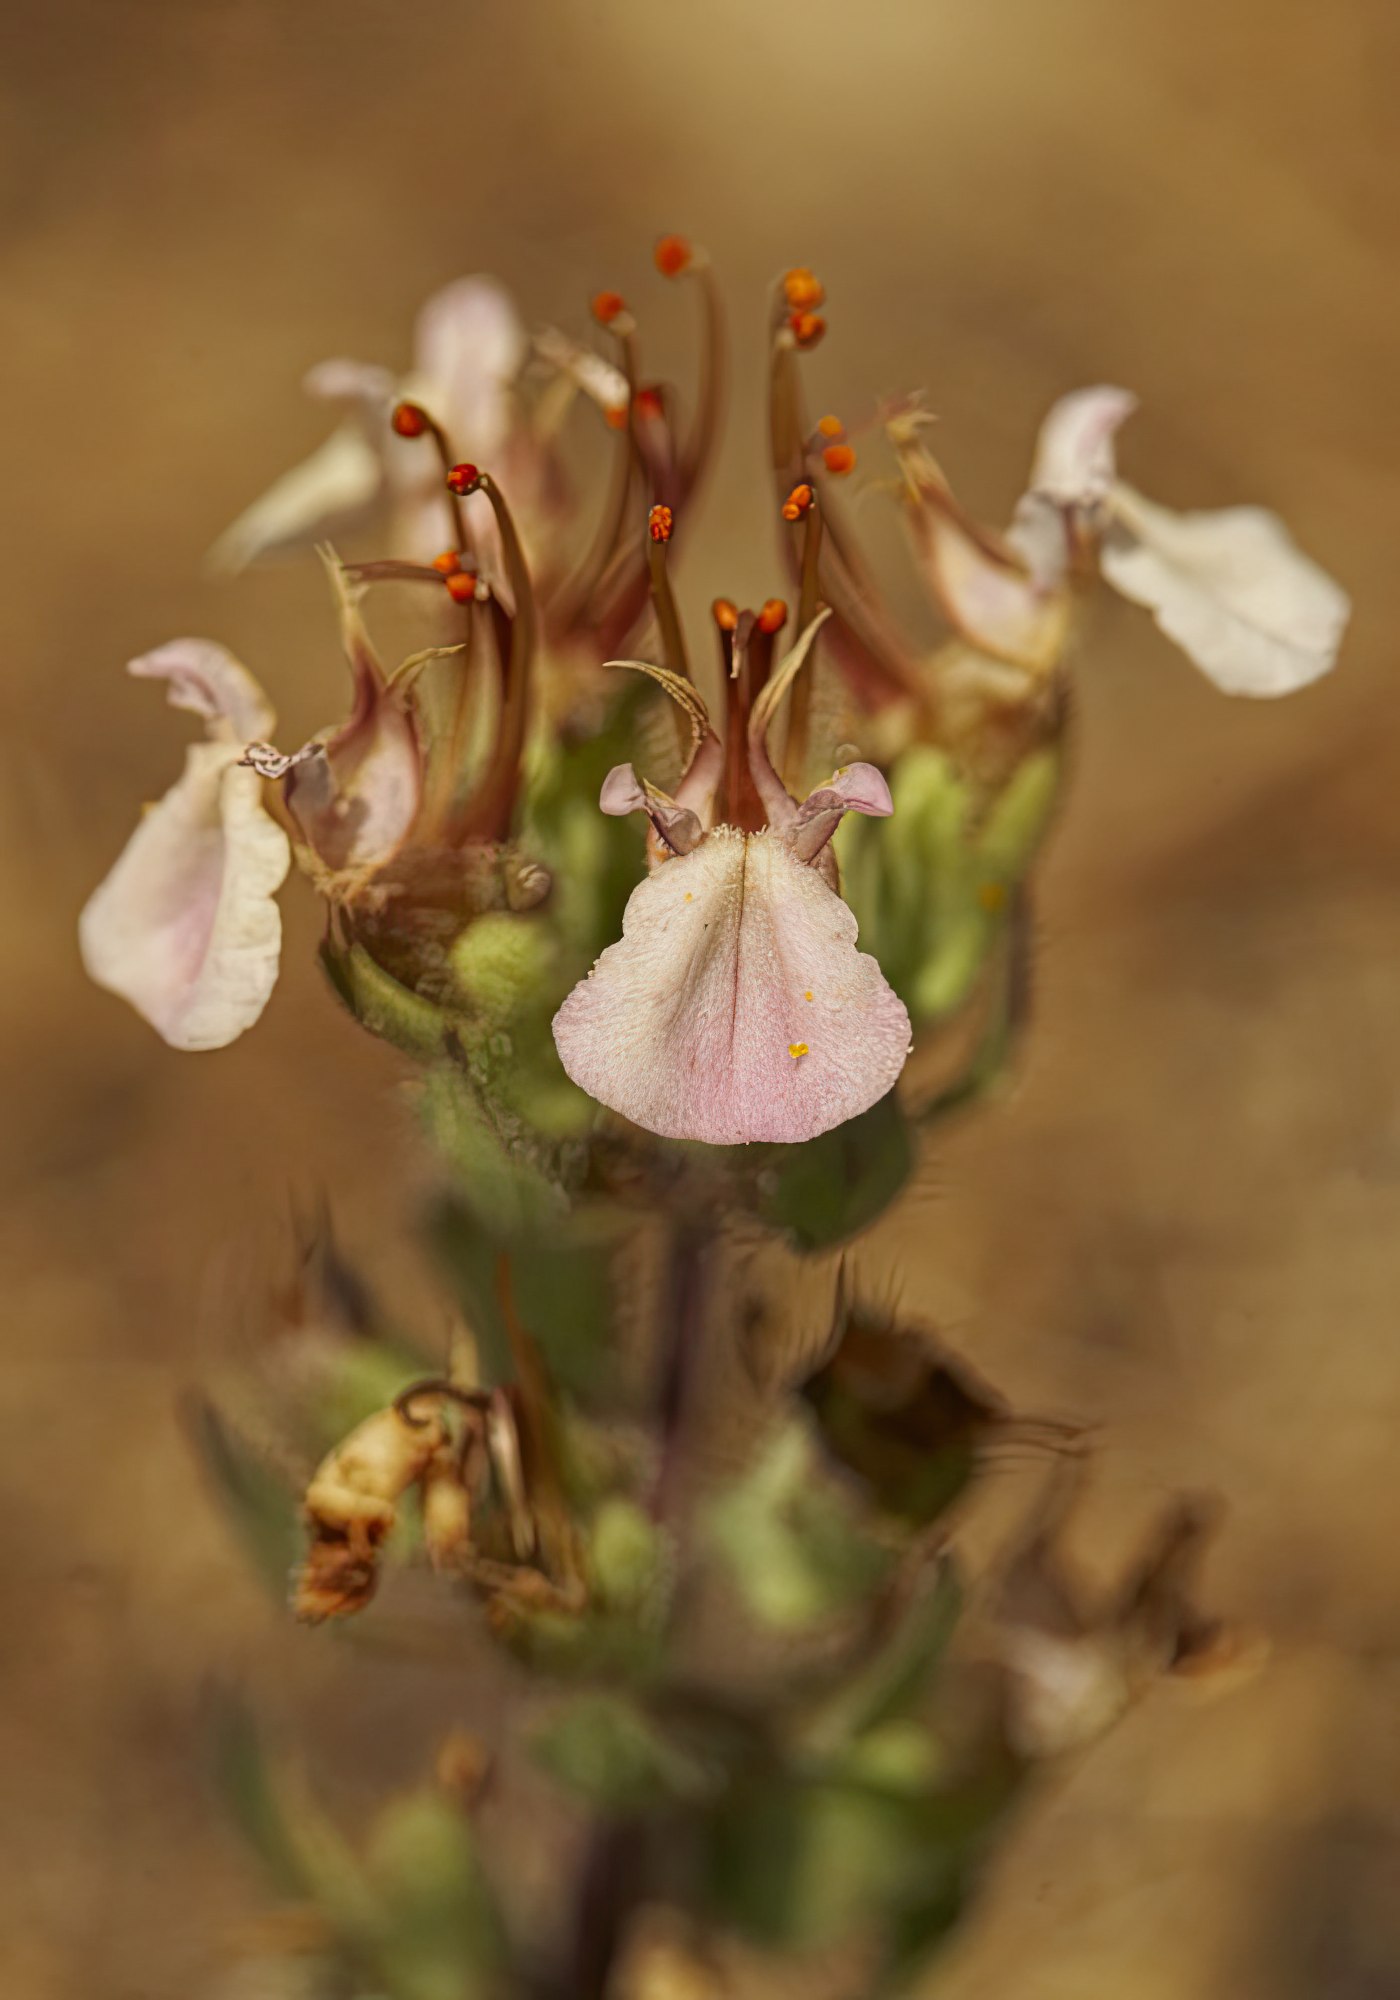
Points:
(488, 812)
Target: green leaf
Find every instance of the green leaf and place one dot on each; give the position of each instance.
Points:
(441, 1936)
(795, 1546)
(380, 1004)
(304, 1853)
(614, 1755)
(897, 1680)
(829, 1189)
(264, 1511)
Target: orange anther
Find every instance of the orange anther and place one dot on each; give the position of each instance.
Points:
(615, 418)
(807, 328)
(461, 586)
(673, 255)
(408, 420)
(648, 403)
(797, 503)
(448, 563)
(463, 478)
(773, 616)
(803, 289)
(832, 427)
(725, 614)
(659, 522)
(608, 306)
(838, 459)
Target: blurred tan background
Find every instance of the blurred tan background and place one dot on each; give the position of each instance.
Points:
(1183, 1226)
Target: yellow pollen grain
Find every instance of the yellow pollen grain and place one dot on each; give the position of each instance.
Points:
(797, 1050)
(688, 897)
(808, 994)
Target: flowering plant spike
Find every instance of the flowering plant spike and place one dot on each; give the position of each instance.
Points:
(689, 961)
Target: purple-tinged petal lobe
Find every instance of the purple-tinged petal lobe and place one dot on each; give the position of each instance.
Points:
(855, 788)
(735, 1007)
(1232, 588)
(185, 926)
(624, 792)
(1074, 460)
(205, 679)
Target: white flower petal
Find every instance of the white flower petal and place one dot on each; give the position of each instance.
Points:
(468, 348)
(1074, 461)
(369, 387)
(185, 926)
(208, 681)
(331, 493)
(1233, 590)
(1002, 609)
(735, 1006)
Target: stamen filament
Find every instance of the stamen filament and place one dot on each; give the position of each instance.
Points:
(798, 746)
(488, 812)
(412, 420)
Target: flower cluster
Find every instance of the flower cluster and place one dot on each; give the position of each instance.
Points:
(610, 905)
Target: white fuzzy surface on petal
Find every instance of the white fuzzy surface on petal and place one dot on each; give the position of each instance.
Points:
(732, 958)
(185, 926)
(1256, 615)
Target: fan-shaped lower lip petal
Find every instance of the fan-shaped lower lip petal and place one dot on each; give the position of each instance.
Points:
(735, 1007)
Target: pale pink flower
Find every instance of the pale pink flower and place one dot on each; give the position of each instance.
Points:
(735, 1007)
(1255, 614)
(469, 349)
(185, 926)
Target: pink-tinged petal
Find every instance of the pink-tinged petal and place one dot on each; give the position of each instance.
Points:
(986, 592)
(185, 926)
(1074, 462)
(1232, 588)
(331, 493)
(205, 679)
(735, 1007)
(676, 826)
(468, 349)
(855, 788)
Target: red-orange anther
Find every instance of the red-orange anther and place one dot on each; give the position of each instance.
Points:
(648, 403)
(659, 522)
(608, 306)
(803, 289)
(408, 420)
(447, 563)
(461, 586)
(797, 503)
(839, 459)
(725, 614)
(773, 616)
(615, 417)
(463, 478)
(673, 255)
(807, 328)
(831, 427)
